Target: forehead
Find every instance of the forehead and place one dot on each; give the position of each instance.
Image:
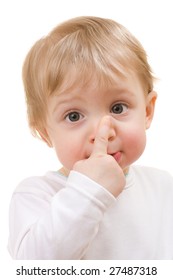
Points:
(91, 89)
(80, 80)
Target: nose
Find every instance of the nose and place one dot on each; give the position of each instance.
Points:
(94, 129)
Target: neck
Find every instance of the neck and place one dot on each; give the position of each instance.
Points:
(66, 172)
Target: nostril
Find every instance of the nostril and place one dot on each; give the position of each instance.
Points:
(111, 138)
(92, 140)
(112, 135)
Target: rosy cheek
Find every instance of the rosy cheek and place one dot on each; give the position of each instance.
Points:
(135, 139)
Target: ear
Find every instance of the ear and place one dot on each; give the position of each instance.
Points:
(45, 137)
(150, 107)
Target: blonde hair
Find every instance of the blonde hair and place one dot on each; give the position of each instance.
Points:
(84, 46)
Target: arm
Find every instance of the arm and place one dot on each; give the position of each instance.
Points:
(61, 228)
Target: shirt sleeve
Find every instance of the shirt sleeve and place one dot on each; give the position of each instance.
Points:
(62, 227)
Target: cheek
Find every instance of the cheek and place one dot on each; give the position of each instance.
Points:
(135, 142)
(69, 150)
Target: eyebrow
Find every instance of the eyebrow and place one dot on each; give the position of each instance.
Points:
(69, 97)
(64, 100)
(122, 92)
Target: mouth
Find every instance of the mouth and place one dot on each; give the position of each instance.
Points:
(117, 156)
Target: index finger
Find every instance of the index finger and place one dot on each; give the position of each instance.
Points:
(102, 136)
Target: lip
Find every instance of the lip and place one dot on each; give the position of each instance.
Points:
(117, 156)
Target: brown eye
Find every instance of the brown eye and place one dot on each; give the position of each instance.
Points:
(119, 108)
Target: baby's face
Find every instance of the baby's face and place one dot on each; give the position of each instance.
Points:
(74, 116)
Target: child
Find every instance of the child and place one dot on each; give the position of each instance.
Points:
(89, 92)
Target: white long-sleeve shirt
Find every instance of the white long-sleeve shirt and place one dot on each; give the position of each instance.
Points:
(54, 217)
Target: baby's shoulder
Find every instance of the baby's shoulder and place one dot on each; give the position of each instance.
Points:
(50, 183)
(140, 169)
(152, 176)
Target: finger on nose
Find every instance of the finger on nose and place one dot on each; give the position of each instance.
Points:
(102, 136)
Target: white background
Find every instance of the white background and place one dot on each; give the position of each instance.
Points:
(22, 22)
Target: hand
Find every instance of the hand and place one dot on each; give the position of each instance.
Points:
(101, 167)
